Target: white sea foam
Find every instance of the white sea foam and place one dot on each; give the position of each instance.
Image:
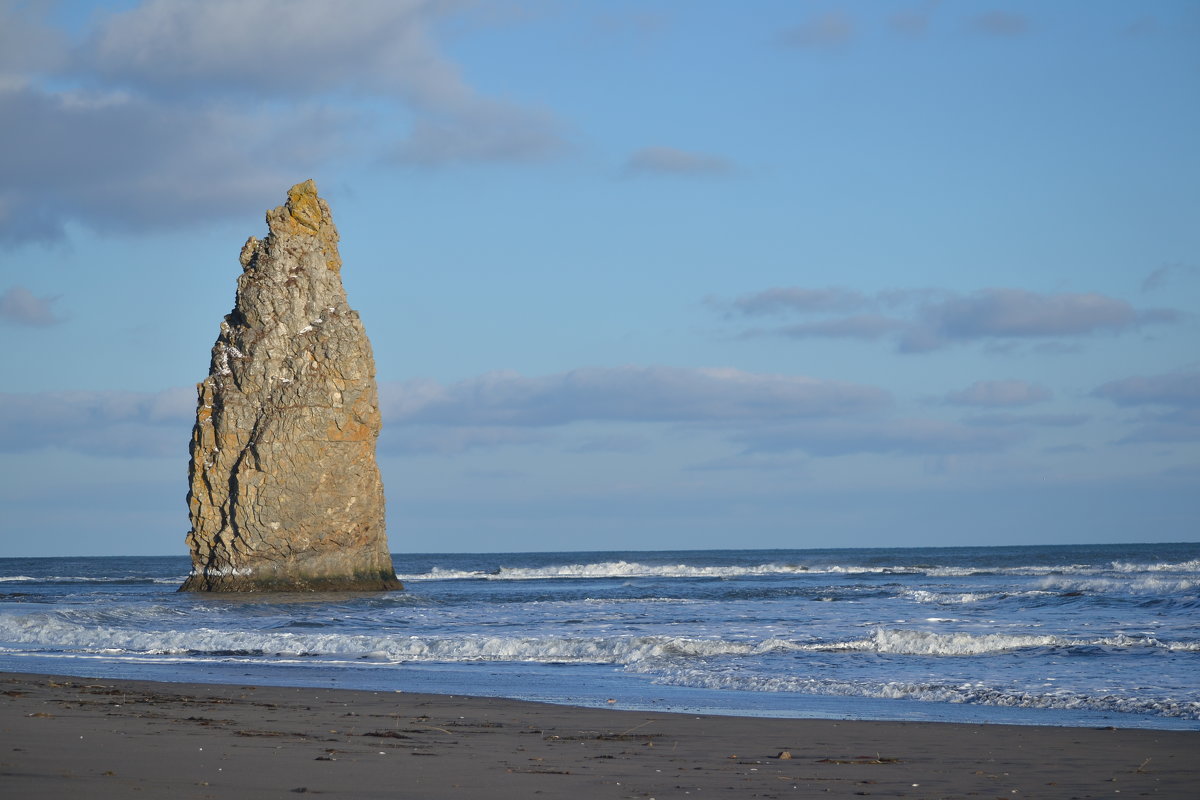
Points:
(1101, 633)
(1034, 570)
(675, 601)
(1166, 566)
(634, 569)
(52, 631)
(1058, 575)
(975, 693)
(55, 631)
(949, 598)
(1139, 585)
(88, 579)
(928, 643)
(610, 569)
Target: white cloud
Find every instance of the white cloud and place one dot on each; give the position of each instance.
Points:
(276, 48)
(19, 305)
(383, 49)
(120, 162)
(178, 112)
(995, 394)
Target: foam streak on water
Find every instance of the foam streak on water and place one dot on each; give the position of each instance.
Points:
(1055, 635)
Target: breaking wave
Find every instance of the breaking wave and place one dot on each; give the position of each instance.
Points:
(65, 579)
(1067, 577)
(610, 569)
(1095, 628)
(1139, 585)
(52, 631)
(635, 569)
(951, 598)
(927, 643)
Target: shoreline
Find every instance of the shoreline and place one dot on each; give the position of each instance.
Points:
(110, 737)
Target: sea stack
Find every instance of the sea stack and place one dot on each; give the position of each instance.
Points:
(285, 492)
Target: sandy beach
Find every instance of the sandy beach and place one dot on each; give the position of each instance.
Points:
(63, 737)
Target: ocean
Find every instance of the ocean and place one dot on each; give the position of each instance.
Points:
(1079, 635)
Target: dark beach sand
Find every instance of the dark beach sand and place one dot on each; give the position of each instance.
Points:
(76, 737)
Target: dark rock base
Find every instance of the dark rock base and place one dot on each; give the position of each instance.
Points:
(383, 581)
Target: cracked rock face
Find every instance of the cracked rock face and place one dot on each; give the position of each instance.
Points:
(285, 493)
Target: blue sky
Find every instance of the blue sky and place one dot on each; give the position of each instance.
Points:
(645, 275)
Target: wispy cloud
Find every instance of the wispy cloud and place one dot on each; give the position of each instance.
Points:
(126, 424)
(486, 132)
(672, 161)
(493, 410)
(1018, 313)
(827, 29)
(755, 462)
(913, 21)
(1000, 23)
(1168, 405)
(1039, 420)
(453, 440)
(625, 394)
(857, 326)
(910, 437)
(20, 306)
(1181, 389)
(999, 394)
(614, 443)
(924, 320)
(1168, 273)
(631, 23)
(1142, 26)
(800, 300)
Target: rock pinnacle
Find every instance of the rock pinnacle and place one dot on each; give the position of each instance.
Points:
(285, 494)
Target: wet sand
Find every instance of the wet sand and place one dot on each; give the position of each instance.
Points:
(77, 737)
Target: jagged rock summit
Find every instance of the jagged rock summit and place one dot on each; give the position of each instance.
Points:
(285, 492)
